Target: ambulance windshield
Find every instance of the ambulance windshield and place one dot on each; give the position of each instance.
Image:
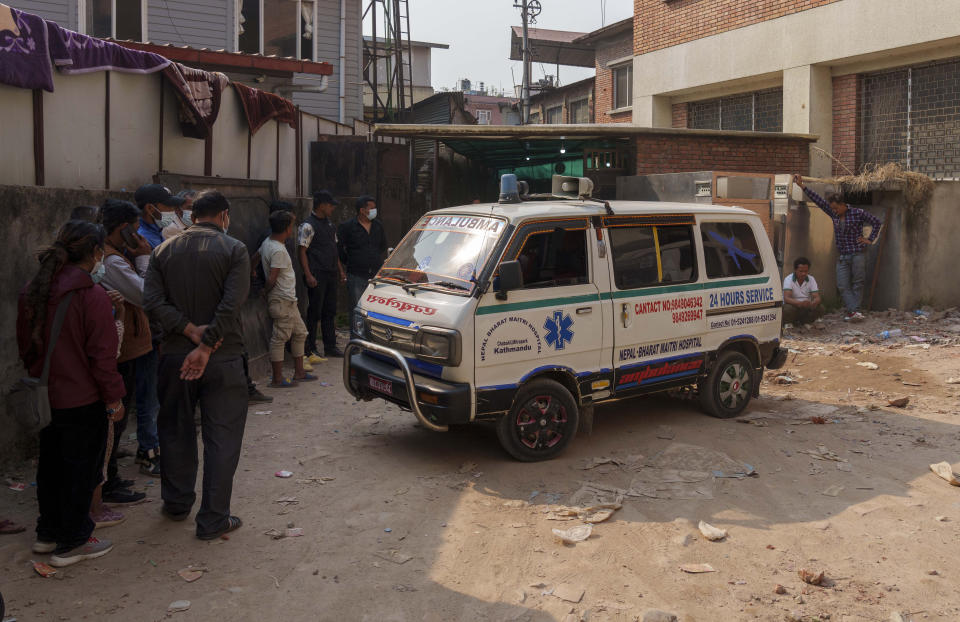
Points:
(444, 252)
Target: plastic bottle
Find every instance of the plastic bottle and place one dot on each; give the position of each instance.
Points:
(887, 334)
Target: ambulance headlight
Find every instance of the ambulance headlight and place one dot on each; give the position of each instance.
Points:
(438, 345)
(359, 324)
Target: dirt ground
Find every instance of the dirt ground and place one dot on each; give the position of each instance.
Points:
(403, 524)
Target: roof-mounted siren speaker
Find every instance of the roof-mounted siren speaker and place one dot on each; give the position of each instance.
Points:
(572, 187)
(509, 189)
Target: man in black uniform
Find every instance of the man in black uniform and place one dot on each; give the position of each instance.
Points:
(323, 272)
(194, 287)
(363, 246)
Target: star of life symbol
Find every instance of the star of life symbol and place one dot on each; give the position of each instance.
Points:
(558, 330)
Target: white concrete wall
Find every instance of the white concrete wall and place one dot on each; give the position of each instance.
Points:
(288, 161)
(75, 139)
(230, 138)
(16, 134)
(74, 131)
(134, 128)
(264, 142)
(180, 154)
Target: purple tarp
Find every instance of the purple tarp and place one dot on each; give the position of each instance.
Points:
(24, 55)
(28, 45)
(74, 53)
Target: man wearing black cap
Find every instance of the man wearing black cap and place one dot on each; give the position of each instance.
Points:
(322, 271)
(157, 206)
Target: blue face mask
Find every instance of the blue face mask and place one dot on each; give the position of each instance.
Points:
(98, 271)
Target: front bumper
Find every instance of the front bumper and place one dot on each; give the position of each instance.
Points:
(452, 399)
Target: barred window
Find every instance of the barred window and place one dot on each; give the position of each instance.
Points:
(554, 115)
(761, 111)
(911, 116)
(580, 111)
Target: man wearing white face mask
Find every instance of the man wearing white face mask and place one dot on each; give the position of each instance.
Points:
(363, 245)
(157, 205)
(182, 216)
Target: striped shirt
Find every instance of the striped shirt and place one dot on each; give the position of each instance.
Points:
(847, 230)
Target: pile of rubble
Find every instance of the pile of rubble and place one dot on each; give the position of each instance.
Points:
(921, 328)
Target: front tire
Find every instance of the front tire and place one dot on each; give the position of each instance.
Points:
(542, 422)
(727, 389)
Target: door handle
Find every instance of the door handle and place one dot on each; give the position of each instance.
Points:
(584, 310)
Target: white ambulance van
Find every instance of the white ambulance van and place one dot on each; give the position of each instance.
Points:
(528, 312)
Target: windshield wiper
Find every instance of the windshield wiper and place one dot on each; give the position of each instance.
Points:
(412, 287)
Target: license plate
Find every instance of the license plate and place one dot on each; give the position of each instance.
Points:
(383, 386)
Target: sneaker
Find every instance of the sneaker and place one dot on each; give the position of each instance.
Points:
(847, 317)
(107, 518)
(146, 457)
(856, 316)
(151, 467)
(314, 358)
(123, 495)
(116, 484)
(256, 397)
(42, 547)
(307, 366)
(93, 549)
(334, 352)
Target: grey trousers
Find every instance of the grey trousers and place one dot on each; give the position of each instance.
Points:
(222, 396)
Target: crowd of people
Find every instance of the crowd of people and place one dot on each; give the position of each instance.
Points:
(150, 295)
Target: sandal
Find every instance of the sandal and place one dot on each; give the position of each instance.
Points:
(233, 523)
(284, 384)
(306, 378)
(9, 527)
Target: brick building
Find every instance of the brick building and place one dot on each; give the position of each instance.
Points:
(613, 91)
(572, 103)
(876, 80)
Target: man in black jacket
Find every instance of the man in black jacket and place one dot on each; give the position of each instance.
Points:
(323, 272)
(194, 288)
(363, 246)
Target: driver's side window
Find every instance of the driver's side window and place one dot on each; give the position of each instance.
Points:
(553, 258)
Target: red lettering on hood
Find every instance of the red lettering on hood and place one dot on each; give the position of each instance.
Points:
(400, 305)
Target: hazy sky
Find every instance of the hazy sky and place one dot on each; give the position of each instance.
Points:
(478, 33)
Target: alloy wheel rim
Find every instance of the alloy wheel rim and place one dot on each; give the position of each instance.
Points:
(540, 423)
(734, 386)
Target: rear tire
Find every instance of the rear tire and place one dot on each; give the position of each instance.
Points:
(727, 389)
(542, 422)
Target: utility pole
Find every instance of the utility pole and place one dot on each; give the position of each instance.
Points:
(529, 10)
(525, 89)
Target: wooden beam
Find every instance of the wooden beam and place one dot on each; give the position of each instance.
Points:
(38, 156)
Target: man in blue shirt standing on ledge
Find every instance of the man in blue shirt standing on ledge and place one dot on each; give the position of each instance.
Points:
(848, 223)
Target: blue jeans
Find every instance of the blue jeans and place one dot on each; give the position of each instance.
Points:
(851, 273)
(148, 404)
(355, 286)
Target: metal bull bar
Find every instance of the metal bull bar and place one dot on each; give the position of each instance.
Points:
(356, 344)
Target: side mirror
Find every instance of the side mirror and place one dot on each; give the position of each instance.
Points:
(511, 277)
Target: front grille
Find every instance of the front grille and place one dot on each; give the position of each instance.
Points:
(391, 335)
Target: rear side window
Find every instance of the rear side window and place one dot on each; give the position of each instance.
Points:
(644, 256)
(730, 249)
